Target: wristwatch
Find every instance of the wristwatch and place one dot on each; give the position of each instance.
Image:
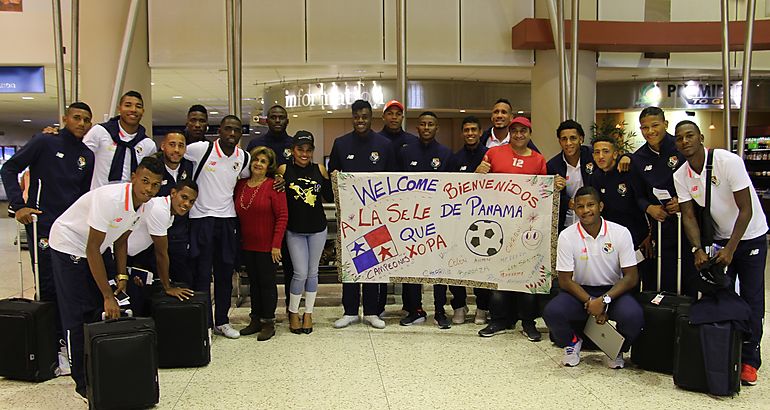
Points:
(606, 299)
(122, 277)
(695, 249)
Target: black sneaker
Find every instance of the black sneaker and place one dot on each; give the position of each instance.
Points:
(494, 328)
(413, 318)
(441, 320)
(530, 331)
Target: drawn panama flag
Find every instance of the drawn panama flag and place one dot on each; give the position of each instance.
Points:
(372, 249)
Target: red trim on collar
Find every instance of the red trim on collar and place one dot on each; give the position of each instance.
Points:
(128, 188)
(582, 235)
(216, 147)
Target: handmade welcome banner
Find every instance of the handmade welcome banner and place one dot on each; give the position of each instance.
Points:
(495, 231)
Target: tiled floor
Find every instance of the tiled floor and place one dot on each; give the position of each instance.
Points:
(418, 367)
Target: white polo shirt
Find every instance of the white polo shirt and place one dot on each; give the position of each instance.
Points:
(108, 209)
(98, 140)
(217, 179)
(492, 141)
(574, 178)
(595, 261)
(728, 176)
(156, 222)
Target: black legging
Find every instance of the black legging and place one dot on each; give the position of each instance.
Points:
(262, 288)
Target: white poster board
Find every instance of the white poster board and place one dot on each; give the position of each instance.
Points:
(495, 231)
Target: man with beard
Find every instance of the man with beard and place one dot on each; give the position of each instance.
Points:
(178, 168)
(213, 242)
(120, 143)
(362, 150)
(619, 192)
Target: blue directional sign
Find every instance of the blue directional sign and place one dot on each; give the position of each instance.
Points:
(18, 79)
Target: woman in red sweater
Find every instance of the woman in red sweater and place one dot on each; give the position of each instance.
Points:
(263, 214)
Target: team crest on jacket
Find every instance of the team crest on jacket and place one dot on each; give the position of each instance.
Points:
(673, 161)
(236, 165)
(622, 189)
(435, 163)
(184, 175)
(374, 157)
(607, 248)
(286, 153)
(714, 180)
(590, 168)
(139, 149)
(81, 163)
(43, 243)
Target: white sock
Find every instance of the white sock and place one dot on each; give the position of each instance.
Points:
(294, 302)
(310, 301)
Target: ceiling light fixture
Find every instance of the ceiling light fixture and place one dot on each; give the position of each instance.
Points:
(462, 110)
(712, 127)
(329, 112)
(214, 112)
(294, 116)
(152, 83)
(26, 120)
(519, 112)
(177, 97)
(27, 98)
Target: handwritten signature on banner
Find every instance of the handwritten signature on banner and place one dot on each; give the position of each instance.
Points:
(496, 230)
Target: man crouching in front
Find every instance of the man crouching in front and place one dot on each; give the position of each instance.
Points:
(597, 270)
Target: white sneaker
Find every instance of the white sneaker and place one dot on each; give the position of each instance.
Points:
(374, 321)
(617, 363)
(481, 317)
(458, 316)
(572, 353)
(64, 363)
(227, 331)
(346, 321)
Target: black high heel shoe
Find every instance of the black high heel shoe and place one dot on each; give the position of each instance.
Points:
(307, 319)
(294, 324)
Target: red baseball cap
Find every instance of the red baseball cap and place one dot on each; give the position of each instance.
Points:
(393, 103)
(523, 121)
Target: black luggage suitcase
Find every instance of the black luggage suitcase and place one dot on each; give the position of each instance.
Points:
(28, 331)
(183, 330)
(690, 371)
(121, 363)
(654, 348)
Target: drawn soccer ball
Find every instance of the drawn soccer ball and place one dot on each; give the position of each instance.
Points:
(484, 238)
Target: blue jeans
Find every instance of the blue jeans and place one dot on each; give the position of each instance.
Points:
(305, 250)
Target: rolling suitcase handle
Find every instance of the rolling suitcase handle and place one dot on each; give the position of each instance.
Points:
(21, 265)
(33, 243)
(35, 273)
(678, 256)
